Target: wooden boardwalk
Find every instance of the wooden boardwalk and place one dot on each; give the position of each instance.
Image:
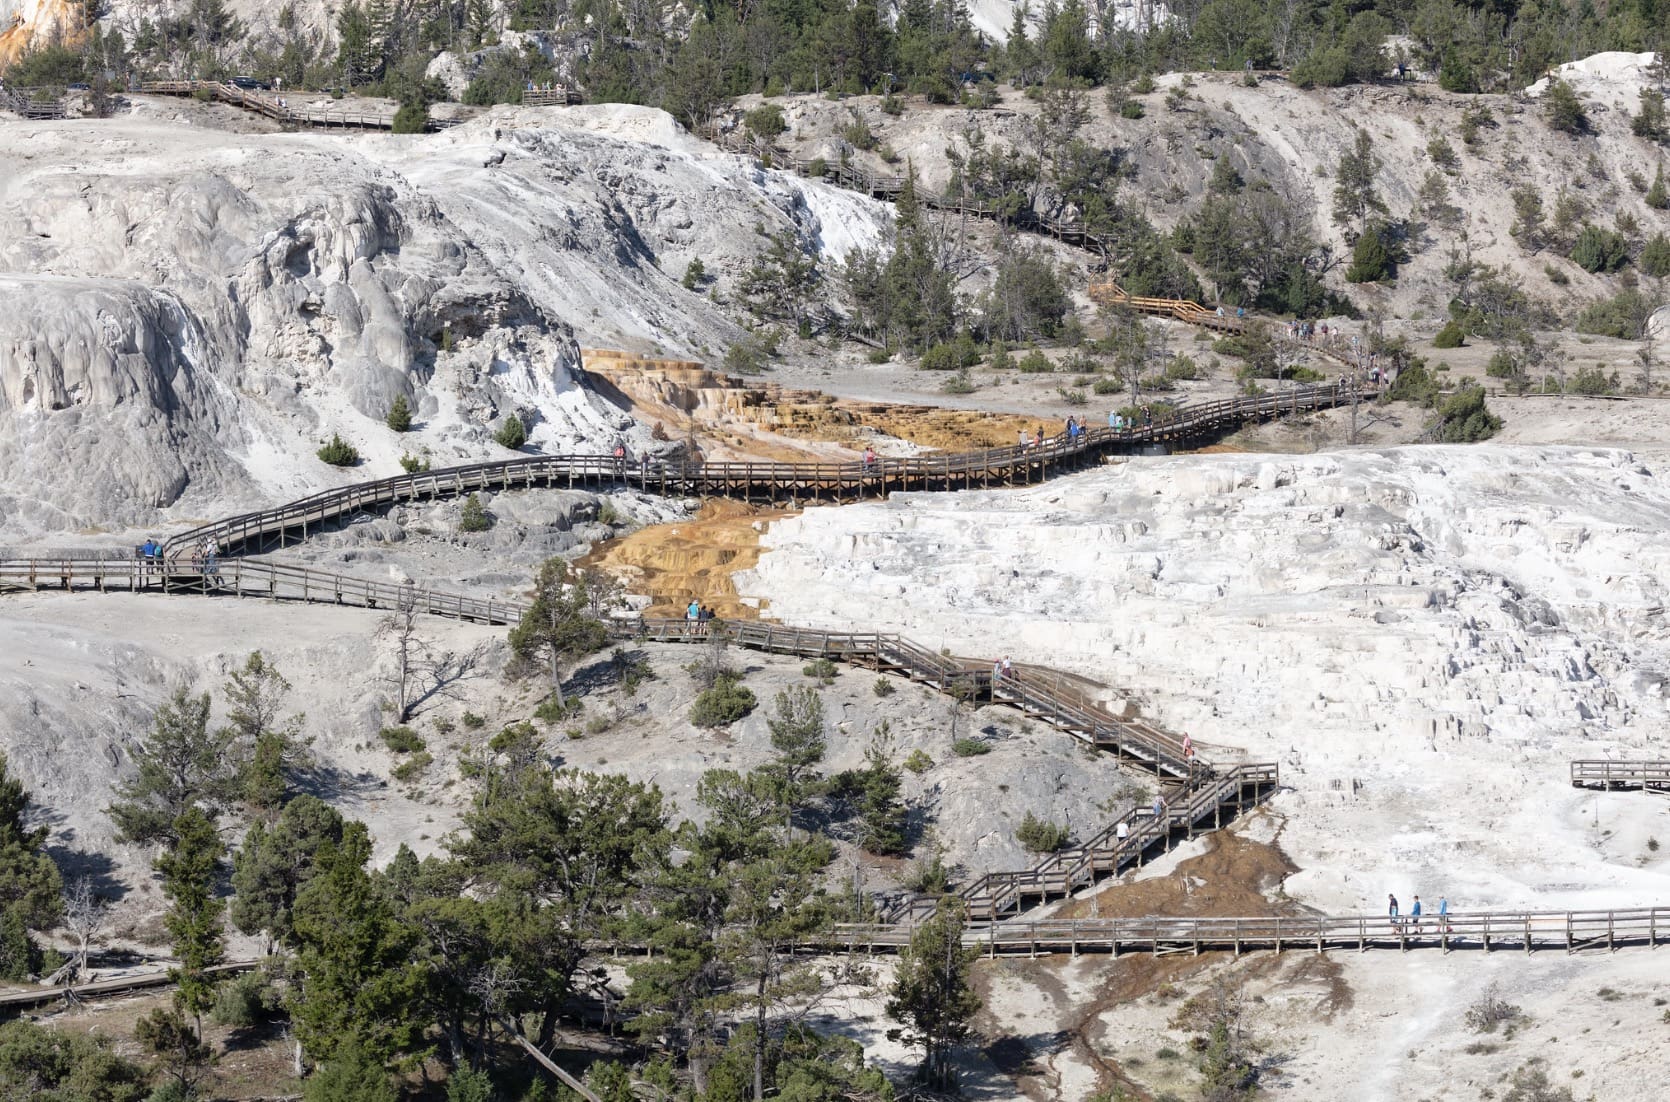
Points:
(1485, 931)
(1109, 293)
(1200, 792)
(11, 1001)
(237, 577)
(1213, 796)
(276, 106)
(1610, 775)
(764, 482)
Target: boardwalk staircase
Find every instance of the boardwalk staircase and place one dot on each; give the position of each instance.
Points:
(33, 103)
(1110, 293)
(1212, 795)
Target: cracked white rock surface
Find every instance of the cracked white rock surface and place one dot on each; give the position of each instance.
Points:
(1422, 637)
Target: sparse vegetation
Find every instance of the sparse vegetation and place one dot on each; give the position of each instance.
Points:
(399, 416)
(1041, 835)
(970, 747)
(512, 434)
(402, 740)
(727, 701)
(1489, 1011)
(474, 516)
(339, 453)
(822, 669)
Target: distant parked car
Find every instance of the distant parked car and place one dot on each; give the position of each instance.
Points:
(78, 87)
(250, 84)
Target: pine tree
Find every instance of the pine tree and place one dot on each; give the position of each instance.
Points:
(1354, 195)
(560, 625)
(931, 997)
(264, 748)
(881, 813)
(30, 887)
(1020, 54)
(189, 869)
(181, 765)
(1371, 257)
(361, 982)
(512, 434)
(798, 737)
(1650, 122)
(474, 517)
(1658, 196)
(178, 1046)
(1564, 108)
(399, 417)
(275, 863)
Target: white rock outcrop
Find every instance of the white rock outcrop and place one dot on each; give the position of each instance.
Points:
(1423, 637)
(188, 312)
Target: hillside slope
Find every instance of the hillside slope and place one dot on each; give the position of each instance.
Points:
(192, 311)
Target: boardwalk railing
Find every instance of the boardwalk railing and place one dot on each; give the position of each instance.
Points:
(1484, 931)
(556, 96)
(269, 104)
(248, 578)
(1527, 931)
(1621, 774)
(756, 481)
(1109, 293)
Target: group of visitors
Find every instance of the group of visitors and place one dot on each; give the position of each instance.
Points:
(149, 554)
(1412, 921)
(1118, 422)
(698, 616)
(1001, 670)
(1312, 331)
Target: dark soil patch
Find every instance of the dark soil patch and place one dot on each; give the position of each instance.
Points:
(1233, 877)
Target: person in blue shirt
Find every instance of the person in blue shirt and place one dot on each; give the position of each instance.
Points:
(1415, 914)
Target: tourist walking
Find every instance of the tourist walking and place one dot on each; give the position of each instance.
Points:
(1122, 831)
(1415, 914)
(1444, 913)
(1391, 907)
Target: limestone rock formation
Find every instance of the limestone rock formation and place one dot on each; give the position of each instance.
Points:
(191, 312)
(1448, 626)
